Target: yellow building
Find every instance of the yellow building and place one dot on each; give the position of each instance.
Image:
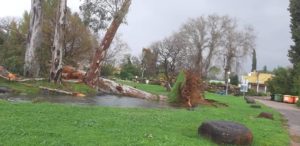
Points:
(257, 81)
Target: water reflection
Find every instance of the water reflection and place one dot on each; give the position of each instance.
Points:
(105, 100)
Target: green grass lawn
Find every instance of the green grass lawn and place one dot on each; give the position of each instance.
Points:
(32, 87)
(154, 89)
(55, 124)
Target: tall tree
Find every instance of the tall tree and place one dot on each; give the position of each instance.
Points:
(59, 43)
(294, 52)
(95, 67)
(32, 67)
(254, 61)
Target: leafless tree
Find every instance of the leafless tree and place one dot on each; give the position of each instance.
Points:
(117, 49)
(203, 41)
(237, 44)
(170, 53)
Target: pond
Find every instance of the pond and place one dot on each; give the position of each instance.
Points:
(105, 100)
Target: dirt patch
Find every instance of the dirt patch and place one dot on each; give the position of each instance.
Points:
(295, 138)
(215, 103)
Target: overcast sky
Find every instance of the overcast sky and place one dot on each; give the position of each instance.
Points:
(152, 20)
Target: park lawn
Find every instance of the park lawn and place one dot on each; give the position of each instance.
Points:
(32, 87)
(56, 124)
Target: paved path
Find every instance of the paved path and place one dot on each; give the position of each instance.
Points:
(292, 114)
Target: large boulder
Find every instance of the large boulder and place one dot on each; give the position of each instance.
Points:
(266, 115)
(224, 132)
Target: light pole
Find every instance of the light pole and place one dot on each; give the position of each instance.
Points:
(228, 81)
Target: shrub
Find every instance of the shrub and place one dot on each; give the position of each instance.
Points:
(298, 103)
(175, 92)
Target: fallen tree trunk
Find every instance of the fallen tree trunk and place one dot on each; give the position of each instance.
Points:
(110, 87)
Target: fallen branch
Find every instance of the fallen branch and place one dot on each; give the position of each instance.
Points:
(30, 79)
(57, 91)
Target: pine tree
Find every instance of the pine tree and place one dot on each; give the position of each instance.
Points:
(254, 61)
(294, 52)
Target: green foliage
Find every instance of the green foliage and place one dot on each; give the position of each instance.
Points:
(129, 70)
(32, 87)
(282, 82)
(254, 61)
(296, 79)
(12, 48)
(265, 69)
(37, 124)
(175, 92)
(294, 52)
(107, 70)
(234, 80)
(298, 103)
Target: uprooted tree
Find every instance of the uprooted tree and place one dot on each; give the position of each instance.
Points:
(92, 77)
(188, 90)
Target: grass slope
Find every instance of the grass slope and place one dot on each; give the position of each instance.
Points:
(154, 89)
(31, 87)
(54, 124)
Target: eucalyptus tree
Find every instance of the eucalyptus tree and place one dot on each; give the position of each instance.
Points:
(58, 43)
(34, 39)
(118, 14)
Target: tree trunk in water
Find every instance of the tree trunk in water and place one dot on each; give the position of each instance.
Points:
(58, 43)
(91, 77)
(34, 39)
(110, 87)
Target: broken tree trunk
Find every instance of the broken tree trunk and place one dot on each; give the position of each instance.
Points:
(58, 43)
(106, 86)
(91, 77)
(110, 87)
(34, 39)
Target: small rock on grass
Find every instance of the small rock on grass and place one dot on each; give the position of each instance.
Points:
(266, 115)
(255, 106)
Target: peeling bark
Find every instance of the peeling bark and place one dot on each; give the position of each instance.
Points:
(91, 77)
(34, 39)
(58, 44)
(110, 87)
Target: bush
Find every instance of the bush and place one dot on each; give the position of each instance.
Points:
(175, 92)
(298, 103)
(282, 82)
